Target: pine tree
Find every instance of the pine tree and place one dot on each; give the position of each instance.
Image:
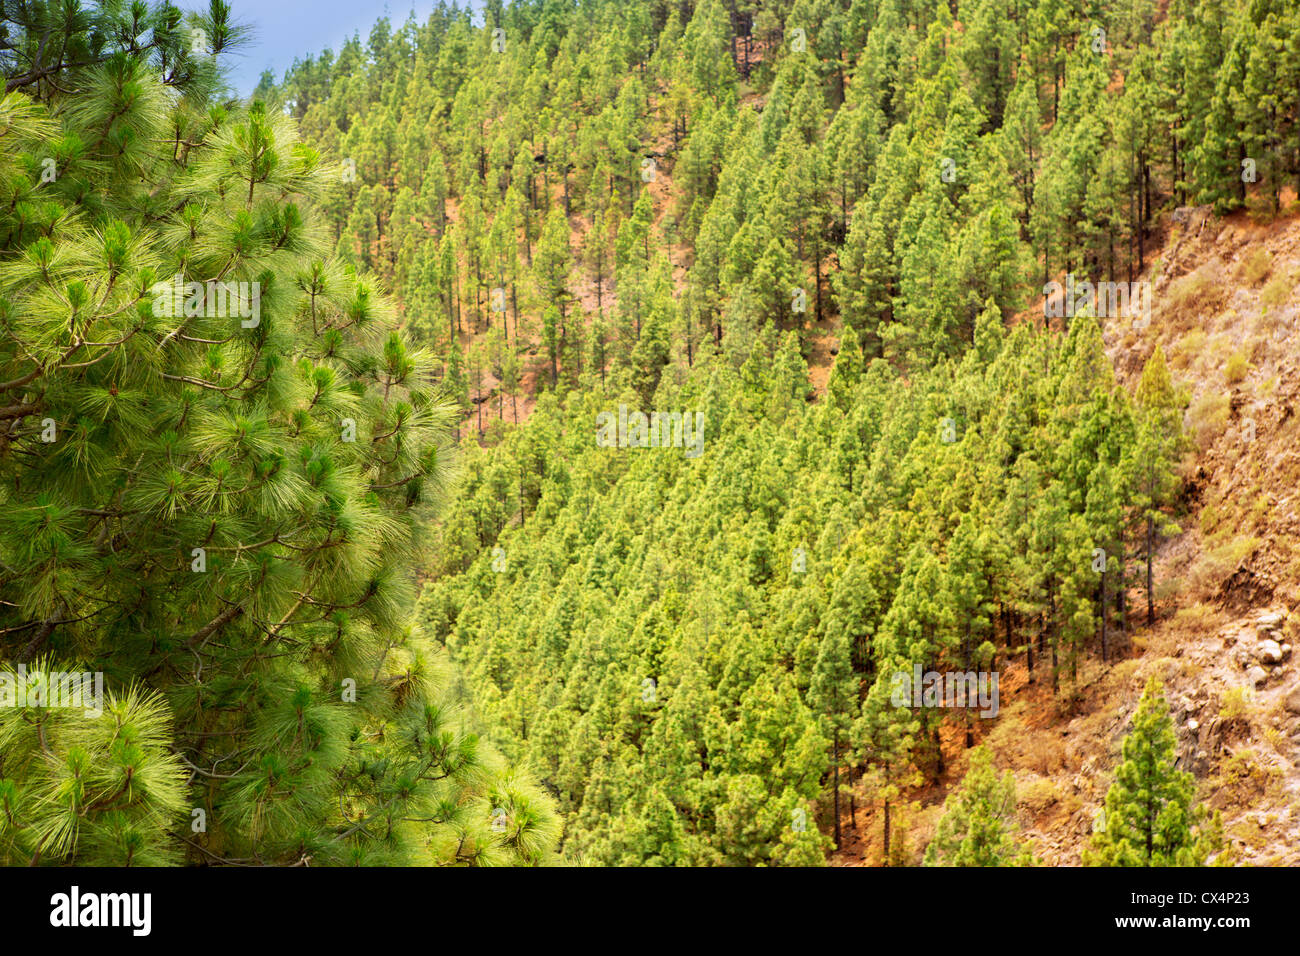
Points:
(978, 827)
(887, 732)
(834, 696)
(1150, 817)
(216, 449)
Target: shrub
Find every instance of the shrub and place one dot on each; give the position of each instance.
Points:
(1236, 368)
(1255, 267)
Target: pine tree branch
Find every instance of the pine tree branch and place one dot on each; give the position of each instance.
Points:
(38, 642)
(18, 411)
(221, 620)
(22, 380)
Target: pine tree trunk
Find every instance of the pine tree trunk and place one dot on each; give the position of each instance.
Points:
(970, 734)
(1104, 646)
(836, 752)
(1151, 604)
(885, 861)
(1144, 210)
(1121, 597)
(1053, 638)
(1029, 658)
(853, 802)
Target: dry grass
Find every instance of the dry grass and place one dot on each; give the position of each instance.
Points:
(1236, 368)
(1255, 267)
(1249, 832)
(1196, 294)
(1234, 704)
(1039, 795)
(1243, 780)
(1277, 292)
(1211, 516)
(1215, 564)
(1187, 348)
(1261, 511)
(1198, 618)
(1207, 418)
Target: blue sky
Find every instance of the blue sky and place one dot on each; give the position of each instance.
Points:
(285, 29)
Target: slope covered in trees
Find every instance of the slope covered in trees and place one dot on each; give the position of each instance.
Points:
(895, 164)
(404, 310)
(770, 590)
(664, 207)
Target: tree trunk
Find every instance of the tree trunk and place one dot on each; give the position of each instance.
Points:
(1104, 646)
(1053, 638)
(885, 861)
(836, 752)
(853, 802)
(1151, 537)
(1029, 659)
(1121, 598)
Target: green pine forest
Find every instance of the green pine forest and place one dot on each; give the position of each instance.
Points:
(364, 584)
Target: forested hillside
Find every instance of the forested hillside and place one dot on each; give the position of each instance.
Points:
(691, 207)
(644, 386)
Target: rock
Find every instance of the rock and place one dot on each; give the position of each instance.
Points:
(1292, 700)
(1270, 620)
(1207, 739)
(1257, 675)
(1193, 725)
(1270, 652)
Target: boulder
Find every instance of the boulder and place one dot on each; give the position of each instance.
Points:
(1292, 700)
(1257, 675)
(1269, 652)
(1269, 624)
